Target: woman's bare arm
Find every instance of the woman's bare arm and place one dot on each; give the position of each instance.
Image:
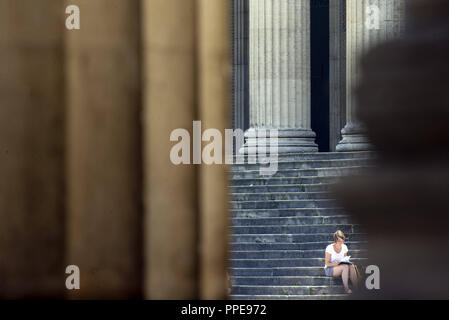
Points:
(327, 260)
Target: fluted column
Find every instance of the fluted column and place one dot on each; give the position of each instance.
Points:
(280, 73)
(363, 32)
(240, 57)
(337, 70)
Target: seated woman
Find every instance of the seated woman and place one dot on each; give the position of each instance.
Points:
(335, 253)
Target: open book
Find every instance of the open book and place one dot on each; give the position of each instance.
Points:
(346, 260)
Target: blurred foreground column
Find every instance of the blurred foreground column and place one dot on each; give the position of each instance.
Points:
(403, 203)
(369, 23)
(214, 90)
(104, 192)
(31, 149)
(171, 191)
(186, 78)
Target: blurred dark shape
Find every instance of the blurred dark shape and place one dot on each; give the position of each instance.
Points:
(32, 123)
(404, 202)
(86, 178)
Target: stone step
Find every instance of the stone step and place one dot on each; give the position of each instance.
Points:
(316, 156)
(296, 262)
(292, 238)
(305, 164)
(288, 297)
(251, 246)
(273, 196)
(289, 254)
(287, 281)
(287, 290)
(322, 187)
(280, 226)
(277, 272)
(294, 221)
(321, 172)
(283, 204)
(259, 181)
(301, 229)
(288, 212)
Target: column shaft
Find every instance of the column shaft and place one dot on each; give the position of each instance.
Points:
(214, 71)
(369, 23)
(31, 149)
(170, 191)
(240, 56)
(280, 73)
(186, 78)
(337, 74)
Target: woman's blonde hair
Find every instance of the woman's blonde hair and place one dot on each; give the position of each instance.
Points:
(339, 234)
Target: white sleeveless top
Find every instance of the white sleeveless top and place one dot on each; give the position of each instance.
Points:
(334, 255)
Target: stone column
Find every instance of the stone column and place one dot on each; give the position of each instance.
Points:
(186, 73)
(364, 32)
(240, 57)
(214, 71)
(337, 68)
(169, 102)
(280, 73)
(31, 149)
(103, 149)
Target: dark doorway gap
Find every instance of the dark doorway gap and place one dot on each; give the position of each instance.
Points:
(319, 53)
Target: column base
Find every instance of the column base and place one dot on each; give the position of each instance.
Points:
(289, 140)
(354, 139)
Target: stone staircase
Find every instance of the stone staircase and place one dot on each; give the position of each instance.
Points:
(282, 224)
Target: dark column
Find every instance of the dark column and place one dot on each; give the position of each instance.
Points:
(104, 188)
(31, 149)
(240, 63)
